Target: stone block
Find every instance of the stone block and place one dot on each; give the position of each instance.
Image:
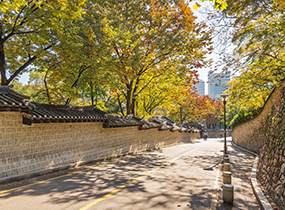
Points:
(15, 171)
(283, 168)
(9, 173)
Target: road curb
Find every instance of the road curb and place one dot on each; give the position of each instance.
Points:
(263, 202)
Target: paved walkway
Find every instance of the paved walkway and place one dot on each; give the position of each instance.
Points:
(179, 177)
(176, 177)
(241, 166)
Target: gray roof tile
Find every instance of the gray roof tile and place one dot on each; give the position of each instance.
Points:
(10, 100)
(122, 121)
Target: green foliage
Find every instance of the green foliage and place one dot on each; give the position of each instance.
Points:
(259, 50)
(124, 57)
(148, 41)
(29, 30)
(239, 116)
(133, 51)
(259, 40)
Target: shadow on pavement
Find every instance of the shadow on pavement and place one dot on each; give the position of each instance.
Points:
(176, 188)
(241, 166)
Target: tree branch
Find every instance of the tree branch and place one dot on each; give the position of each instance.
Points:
(25, 65)
(82, 69)
(120, 105)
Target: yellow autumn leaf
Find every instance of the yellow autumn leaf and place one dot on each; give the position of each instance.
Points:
(188, 11)
(196, 6)
(90, 33)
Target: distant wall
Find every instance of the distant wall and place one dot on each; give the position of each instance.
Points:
(217, 134)
(48, 145)
(251, 134)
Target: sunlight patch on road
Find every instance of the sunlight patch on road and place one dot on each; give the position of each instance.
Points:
(54, 178)
(133, 181)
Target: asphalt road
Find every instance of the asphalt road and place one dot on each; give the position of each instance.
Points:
(178, 177)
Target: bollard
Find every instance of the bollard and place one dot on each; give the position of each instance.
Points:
(226, 160)
(228, 193)
(226, 166)
(227, 177)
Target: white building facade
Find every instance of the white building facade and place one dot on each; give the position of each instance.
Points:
(217, 84)
(200, 87)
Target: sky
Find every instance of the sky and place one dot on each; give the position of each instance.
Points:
(200, 13)
(24, 78)
(203, 72)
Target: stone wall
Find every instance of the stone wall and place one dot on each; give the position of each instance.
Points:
(217, 133)
(265, 134)
(251, 134)
(49, 145)
(272, 157)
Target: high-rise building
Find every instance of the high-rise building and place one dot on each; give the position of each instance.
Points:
(217, 84)
(200, 87)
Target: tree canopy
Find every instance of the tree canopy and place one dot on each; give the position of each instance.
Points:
(125, 57)
(29, 30)
(256, 30)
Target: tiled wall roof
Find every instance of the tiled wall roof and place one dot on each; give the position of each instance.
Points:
(162, 119)
(122, 121)
(10, 100)
(61, 113)
(150, 124)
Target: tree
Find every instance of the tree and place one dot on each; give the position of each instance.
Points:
(148, 39)
(257, 30)
(29, 29)
(192, 107)
(213, 114)
(114, 47)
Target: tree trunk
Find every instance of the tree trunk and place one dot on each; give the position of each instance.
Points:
(96, 95)
(2, 66)
(92, 93)
(2, 59)
(133, 105)
(181, 117)
(92, 99)
(120, 105)
(129, 96)
(134, 94)
(47, 90)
